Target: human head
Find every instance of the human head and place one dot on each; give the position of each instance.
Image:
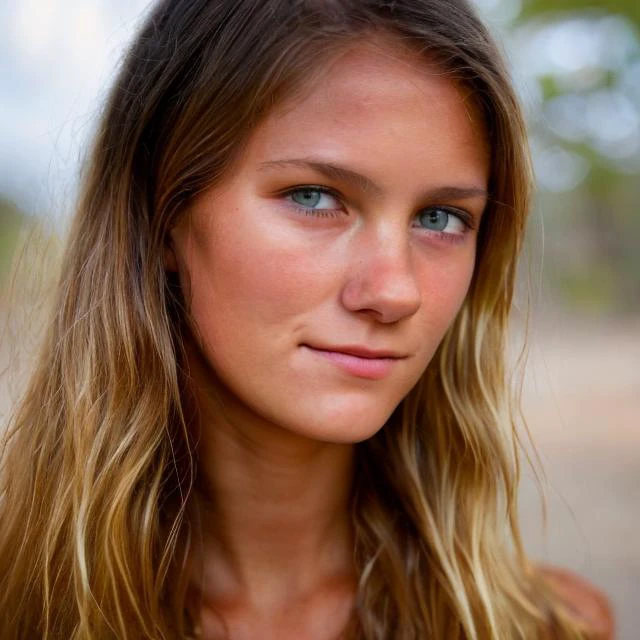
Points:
(185, 105)
(273, 290)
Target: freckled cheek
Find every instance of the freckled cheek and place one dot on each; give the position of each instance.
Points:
(257, 279)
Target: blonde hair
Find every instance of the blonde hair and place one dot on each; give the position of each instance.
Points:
(98, 463)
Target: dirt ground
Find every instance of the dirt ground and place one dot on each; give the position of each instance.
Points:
(582, 401)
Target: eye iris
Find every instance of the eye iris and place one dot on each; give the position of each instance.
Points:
(306, 197)
(434, 219)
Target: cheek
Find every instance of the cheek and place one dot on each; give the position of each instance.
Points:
(252, 276)
(446, 287)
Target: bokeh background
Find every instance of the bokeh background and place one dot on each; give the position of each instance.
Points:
(577, 66)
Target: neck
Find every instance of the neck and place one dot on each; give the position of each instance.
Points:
(273, 508)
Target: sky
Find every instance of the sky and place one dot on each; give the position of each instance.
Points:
(56, 61)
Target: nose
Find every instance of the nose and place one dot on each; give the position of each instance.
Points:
(381, 280)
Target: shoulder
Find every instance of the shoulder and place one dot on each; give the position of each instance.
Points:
(583, 599)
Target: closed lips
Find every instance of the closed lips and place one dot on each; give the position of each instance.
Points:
(359, 352)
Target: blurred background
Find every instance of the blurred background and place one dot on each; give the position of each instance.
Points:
(577, 66)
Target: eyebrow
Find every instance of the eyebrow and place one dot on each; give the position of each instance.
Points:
(329, 170)
(365, 184)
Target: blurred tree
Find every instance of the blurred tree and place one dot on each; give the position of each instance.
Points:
(584, 58)
(627, 8)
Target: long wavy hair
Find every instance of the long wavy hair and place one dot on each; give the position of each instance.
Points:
(98, 461)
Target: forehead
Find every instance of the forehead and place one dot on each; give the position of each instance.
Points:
(375, 102)
(358, 76)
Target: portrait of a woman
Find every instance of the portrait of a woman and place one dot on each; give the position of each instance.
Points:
(273, 401)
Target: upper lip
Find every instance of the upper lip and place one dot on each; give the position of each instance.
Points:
(359, 351)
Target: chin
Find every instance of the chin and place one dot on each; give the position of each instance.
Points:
(346, 422)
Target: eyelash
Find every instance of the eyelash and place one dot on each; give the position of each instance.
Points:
(464, 217)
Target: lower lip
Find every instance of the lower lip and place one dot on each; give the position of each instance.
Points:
(370, 368)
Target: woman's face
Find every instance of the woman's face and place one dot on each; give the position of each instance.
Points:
(325, 270)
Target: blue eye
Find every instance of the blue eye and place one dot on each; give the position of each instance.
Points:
(434, 219)
(440, 220)
(314, 200)
(307, 197)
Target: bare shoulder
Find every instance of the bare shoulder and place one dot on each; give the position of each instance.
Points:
(583, 599)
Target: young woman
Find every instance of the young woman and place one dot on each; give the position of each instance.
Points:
(273, 401)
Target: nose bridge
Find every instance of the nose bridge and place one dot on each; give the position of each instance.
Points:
(382, 279)
(387, 246)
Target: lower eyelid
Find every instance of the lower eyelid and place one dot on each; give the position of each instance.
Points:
(318, 213)
(451, 238)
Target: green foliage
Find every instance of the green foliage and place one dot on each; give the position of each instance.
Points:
(536, 8)
(592, 233)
